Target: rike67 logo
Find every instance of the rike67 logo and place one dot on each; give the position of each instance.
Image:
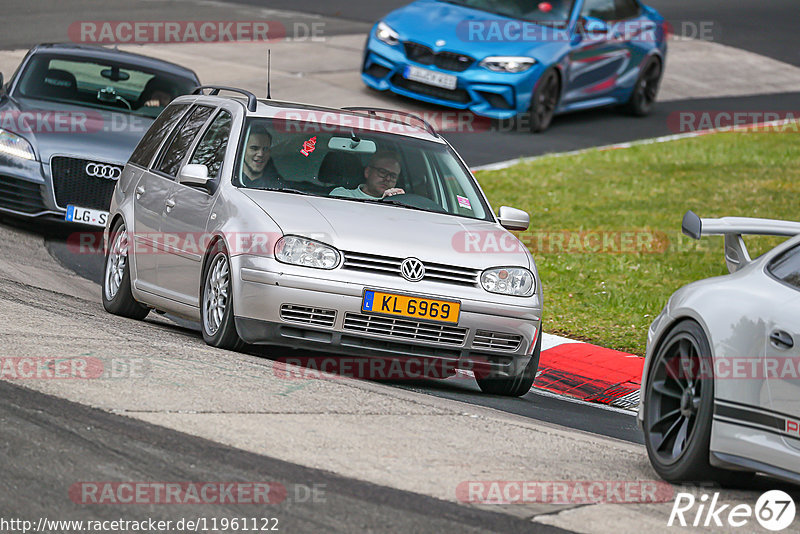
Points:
(774, 510)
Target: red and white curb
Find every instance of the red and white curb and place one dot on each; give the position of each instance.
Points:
(589, 373)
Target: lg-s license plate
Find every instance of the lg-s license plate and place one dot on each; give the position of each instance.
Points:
(440, 311)
(86, 216)
(431, 77)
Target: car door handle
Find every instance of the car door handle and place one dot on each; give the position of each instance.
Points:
(170, 204)
(139, 192)
(781, 339)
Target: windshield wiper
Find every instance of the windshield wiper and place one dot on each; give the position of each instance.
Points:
(287, 190)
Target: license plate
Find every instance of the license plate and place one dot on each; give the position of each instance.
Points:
(431, 77)
(86, 216)
(440, 311)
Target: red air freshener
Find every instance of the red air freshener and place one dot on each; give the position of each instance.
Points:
(309, 146)
(545, 7)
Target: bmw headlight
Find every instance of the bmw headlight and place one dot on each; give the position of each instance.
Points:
(386, 34)
(514, 281)
(15, 146)
(508, 63)
(297, 250)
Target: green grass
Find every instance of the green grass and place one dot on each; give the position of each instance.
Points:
(611, 298)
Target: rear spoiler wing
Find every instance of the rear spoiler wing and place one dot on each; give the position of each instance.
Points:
(733, 228)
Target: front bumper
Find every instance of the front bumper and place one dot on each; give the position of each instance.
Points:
(26, 189)
(481, 91)
(264, 289)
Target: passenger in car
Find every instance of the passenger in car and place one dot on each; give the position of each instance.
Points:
(259, 169)
(381, 175)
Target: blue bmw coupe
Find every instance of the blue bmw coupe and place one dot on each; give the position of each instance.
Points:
(520, 58)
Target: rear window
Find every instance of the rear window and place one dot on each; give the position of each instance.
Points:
(786, 267)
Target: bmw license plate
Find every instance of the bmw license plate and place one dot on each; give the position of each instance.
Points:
(86, 216)
(440, 311)
(431, 77)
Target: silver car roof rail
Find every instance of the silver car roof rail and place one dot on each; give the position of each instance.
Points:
(374, 113)
(252, 101)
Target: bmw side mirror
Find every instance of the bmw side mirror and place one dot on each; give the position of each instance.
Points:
(513, 219)
(194, 175)
(592, 26)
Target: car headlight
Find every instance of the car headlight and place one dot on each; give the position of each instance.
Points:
(514, 281)
(508, 63)
(15, 146)
(387, 34)
(302, 251)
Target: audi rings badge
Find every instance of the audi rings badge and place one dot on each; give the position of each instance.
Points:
(101, 170)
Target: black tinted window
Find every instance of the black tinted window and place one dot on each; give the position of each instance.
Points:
(211, 149)
(147, 147)
(175, 152)
(786, 267)
(626, 9)
(599, 9)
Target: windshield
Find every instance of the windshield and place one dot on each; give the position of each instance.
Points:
(357, 165)
(536, 11)
(101, 84)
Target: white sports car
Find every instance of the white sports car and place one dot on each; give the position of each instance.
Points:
(721, 385)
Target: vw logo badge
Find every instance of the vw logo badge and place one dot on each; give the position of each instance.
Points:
(100, 170)
(412, 269)
(441, 42)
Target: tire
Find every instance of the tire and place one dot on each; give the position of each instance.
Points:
(117, 296)
(646, 89)
(678, 409)
(544, 101)
(514, 386)
(216, 302)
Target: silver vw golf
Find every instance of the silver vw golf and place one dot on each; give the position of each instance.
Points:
(352, 232)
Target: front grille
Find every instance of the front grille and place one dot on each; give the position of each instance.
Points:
(460, 96)
(424, 55)
(20, 195)
(73, 186)
(405, 329)
(307, 315)
(434, 272)
(496, 341)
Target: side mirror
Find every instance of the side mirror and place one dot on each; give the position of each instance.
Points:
(2, 89)
(194, 175)
(513, 219)
(592, 26)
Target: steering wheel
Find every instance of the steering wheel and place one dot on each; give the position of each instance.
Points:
(415, 201)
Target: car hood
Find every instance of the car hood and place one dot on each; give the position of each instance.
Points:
(78, 131)
(428, 21)
(394, 231)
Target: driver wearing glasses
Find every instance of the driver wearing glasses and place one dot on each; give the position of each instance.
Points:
(380, 176)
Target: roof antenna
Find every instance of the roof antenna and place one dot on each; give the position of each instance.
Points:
(269, 72)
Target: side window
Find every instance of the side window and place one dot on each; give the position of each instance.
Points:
(786, 267)
(211, 149)
(175, 152)
(147, 147)
(626, 9)
(599, 9)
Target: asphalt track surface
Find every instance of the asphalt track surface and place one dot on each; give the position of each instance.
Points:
(49, 444)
